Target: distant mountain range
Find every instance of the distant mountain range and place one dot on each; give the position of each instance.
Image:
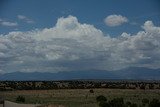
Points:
(135, 73)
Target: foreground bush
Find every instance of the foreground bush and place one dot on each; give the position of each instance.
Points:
(154, 103)
(104, 104)
(20, 99)
(117, 102)
(101, 98)
(145, 102)
(133, 105)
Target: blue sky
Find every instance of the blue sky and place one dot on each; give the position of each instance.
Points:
(45, 13)
(83, 35)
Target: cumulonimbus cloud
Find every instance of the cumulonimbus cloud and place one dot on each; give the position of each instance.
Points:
(115, 20)
(70, 46)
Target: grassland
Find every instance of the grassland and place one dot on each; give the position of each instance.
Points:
(79, 97)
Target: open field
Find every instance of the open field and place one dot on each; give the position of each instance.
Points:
(79, 97)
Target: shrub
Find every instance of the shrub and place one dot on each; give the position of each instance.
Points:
(145, 101)
(20, 99)
(101, 98)
(117, 102)
(104, 104)
(91, 91)
(133, 105)
(128, 103)
(154, 103)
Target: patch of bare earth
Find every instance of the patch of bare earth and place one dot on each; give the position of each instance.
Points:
(52, 106)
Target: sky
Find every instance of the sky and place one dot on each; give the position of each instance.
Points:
(69, 35)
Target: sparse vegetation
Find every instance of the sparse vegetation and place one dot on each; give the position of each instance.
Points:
(82, 93)
(119, 102)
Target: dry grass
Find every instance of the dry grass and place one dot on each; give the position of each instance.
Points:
(79, 97)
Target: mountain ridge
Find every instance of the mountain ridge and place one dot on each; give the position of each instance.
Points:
(127, 73)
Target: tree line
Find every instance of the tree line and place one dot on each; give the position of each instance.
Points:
(44, 85)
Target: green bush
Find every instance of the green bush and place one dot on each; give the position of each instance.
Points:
(91, 91)
(133, 105)
(20, 99)
(101, 98)
(103, 104)
(128, 103)
(154, 103)
(117, 102)
(145, 101)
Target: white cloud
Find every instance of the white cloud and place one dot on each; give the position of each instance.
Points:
(70, 46)
(24, 18)
(9, 24)
(115, 20)
(21, 17)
